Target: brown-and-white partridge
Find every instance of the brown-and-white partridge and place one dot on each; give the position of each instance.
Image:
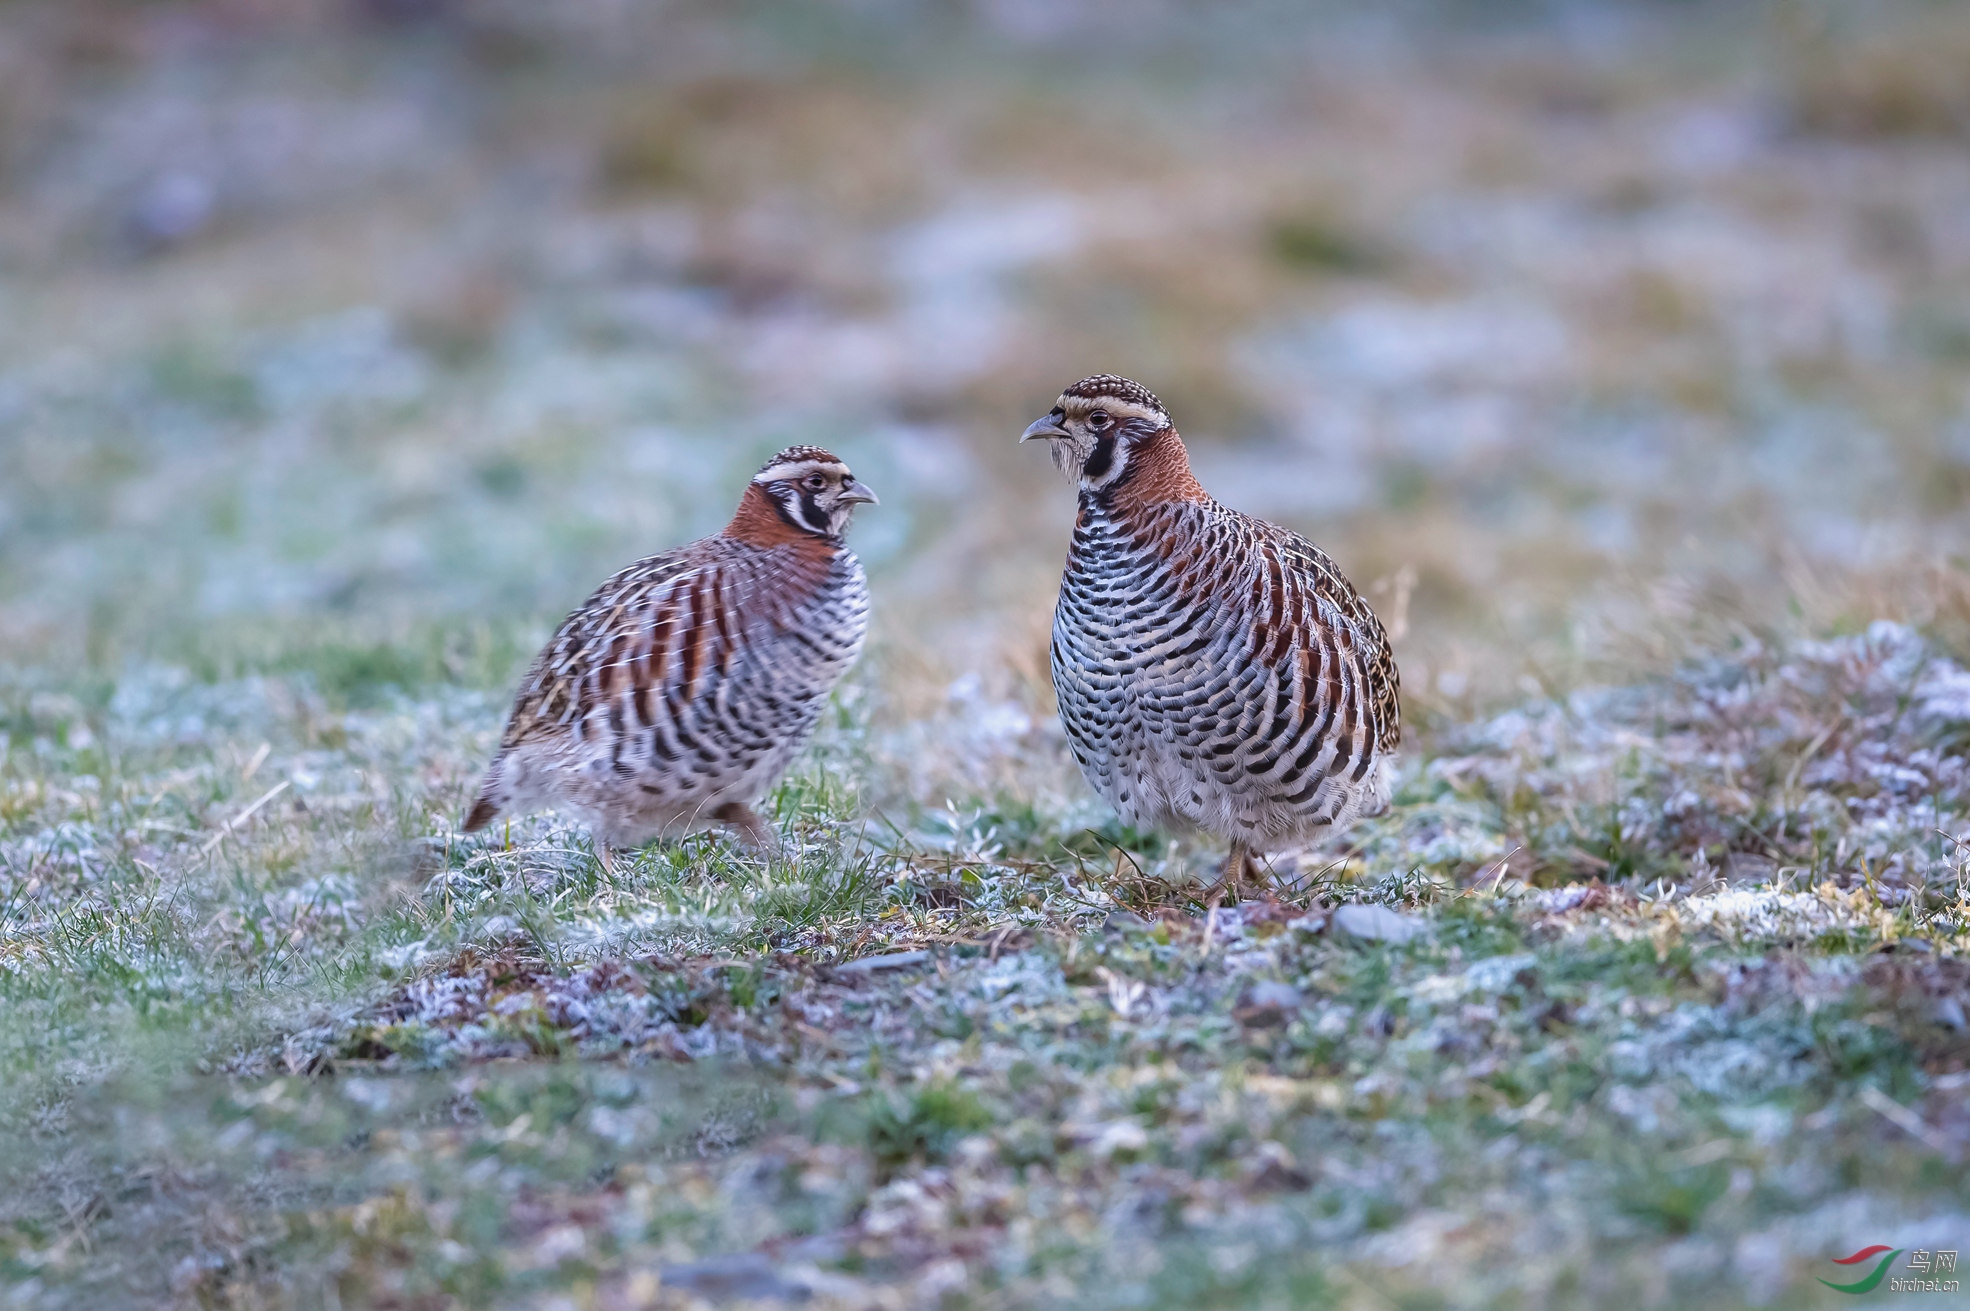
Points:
(678, 694)
(1214, 671)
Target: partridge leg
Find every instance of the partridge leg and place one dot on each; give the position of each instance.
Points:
(752, 831)
(605, 854)
(1231, 875)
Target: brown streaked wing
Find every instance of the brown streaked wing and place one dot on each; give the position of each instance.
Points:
(1318, 571)
(615, 646)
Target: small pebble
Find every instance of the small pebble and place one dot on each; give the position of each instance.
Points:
(895, 960)
(1376, 923)
(746, 1276)
(1272, 995)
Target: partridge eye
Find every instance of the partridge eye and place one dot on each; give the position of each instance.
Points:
(815, 482)
(1098, 419)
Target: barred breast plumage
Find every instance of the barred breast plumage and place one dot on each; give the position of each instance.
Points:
(1214, 671)
(679, 693)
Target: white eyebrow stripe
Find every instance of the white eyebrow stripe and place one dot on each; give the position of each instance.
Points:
(1114, 405)
(796, 469)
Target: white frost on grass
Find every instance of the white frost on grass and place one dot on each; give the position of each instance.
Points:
(1766, 914)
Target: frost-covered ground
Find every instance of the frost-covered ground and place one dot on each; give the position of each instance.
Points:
(1652, 994)
(1618, 350)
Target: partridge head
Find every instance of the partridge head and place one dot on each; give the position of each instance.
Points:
(1095, 426)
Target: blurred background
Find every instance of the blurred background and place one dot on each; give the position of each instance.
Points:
(346, 344)
(369, 334)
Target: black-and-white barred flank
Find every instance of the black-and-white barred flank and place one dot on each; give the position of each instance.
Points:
(1214, 676)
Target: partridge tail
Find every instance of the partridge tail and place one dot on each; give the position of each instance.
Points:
(483, 812)
(493, 797)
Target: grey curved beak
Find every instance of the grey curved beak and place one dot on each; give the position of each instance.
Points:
(1043, 427)
(857, 494)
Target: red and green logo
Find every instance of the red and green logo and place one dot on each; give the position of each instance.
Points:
(1873, 1278)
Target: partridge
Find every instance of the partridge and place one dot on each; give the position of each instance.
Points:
(679, 693)
(1215, 672)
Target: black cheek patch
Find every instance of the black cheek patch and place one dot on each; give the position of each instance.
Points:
(810, 510)
(1101, 458)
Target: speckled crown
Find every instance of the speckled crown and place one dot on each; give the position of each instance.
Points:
(1110, 386)
(801, 455)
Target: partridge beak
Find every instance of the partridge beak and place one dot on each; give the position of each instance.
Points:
(857, 494)
(1043, 427)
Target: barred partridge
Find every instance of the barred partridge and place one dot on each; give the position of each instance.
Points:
(1214, 671)
(679, 693)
